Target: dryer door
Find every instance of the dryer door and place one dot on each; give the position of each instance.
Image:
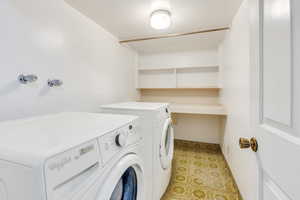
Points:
(167, 145)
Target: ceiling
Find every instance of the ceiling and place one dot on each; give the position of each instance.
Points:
(184, 43)
(128, 19)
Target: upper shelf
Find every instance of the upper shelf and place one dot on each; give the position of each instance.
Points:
(190, 77)
(183, 88)
(213, 67)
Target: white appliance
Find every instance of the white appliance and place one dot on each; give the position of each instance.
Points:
(71, 156)
(158, 145)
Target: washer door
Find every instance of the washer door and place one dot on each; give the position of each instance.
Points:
(126, 189)
(125, 181)
(167, 145)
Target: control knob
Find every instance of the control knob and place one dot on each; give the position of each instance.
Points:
(121, 139)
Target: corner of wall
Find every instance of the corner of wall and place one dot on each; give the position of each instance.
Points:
(235, 96)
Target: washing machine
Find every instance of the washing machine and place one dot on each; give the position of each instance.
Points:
(71, 156)
(158, 145)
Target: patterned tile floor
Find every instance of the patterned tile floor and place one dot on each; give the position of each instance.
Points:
(200, 173)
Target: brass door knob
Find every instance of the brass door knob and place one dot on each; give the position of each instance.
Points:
(246, 143)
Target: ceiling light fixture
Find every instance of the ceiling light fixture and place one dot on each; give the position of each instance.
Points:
(160, 19)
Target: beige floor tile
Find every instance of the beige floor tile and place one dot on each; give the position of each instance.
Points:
(200, 173)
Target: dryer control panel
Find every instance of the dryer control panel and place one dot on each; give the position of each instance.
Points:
(117, 140)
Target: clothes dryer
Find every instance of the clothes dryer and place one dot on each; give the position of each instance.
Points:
(158, 145)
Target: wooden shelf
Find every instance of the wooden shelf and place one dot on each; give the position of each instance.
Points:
(184, 88)
(156, 69)
(177, 68)
(198, 109)
(200, 77)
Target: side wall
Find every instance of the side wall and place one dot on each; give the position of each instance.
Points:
(234, 59)
(52, 40)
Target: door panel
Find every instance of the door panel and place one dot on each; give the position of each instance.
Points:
(277, 61)
(272, 191)
(279, 160)
(3, 190)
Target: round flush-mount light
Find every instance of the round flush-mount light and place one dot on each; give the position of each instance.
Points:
(160, 19)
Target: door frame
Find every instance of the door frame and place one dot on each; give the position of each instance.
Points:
(256, 33)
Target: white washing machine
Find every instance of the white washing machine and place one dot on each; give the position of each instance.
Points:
(71, 156)
(158, 146)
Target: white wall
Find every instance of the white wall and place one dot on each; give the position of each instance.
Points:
(234, 58)
(52, 40)
(198, 128)
(180, 59)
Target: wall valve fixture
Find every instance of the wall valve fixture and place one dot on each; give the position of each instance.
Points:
(54, 83)
(24, 79)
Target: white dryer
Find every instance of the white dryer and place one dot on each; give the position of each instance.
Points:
(71, 156)
(158, 146)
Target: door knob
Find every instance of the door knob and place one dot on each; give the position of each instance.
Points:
(246, 143)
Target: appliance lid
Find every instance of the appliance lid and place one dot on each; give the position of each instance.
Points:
(31, 141)
(136, 105)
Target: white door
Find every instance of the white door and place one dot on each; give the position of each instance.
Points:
(275, 62)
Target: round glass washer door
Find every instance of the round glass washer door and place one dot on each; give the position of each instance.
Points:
(124, 180)
(126, 188)
(167, 145)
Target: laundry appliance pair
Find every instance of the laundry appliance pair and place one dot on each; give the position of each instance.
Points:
(157, 145)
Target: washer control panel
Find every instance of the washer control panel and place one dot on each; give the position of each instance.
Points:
(66, 172)
(117, 140)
